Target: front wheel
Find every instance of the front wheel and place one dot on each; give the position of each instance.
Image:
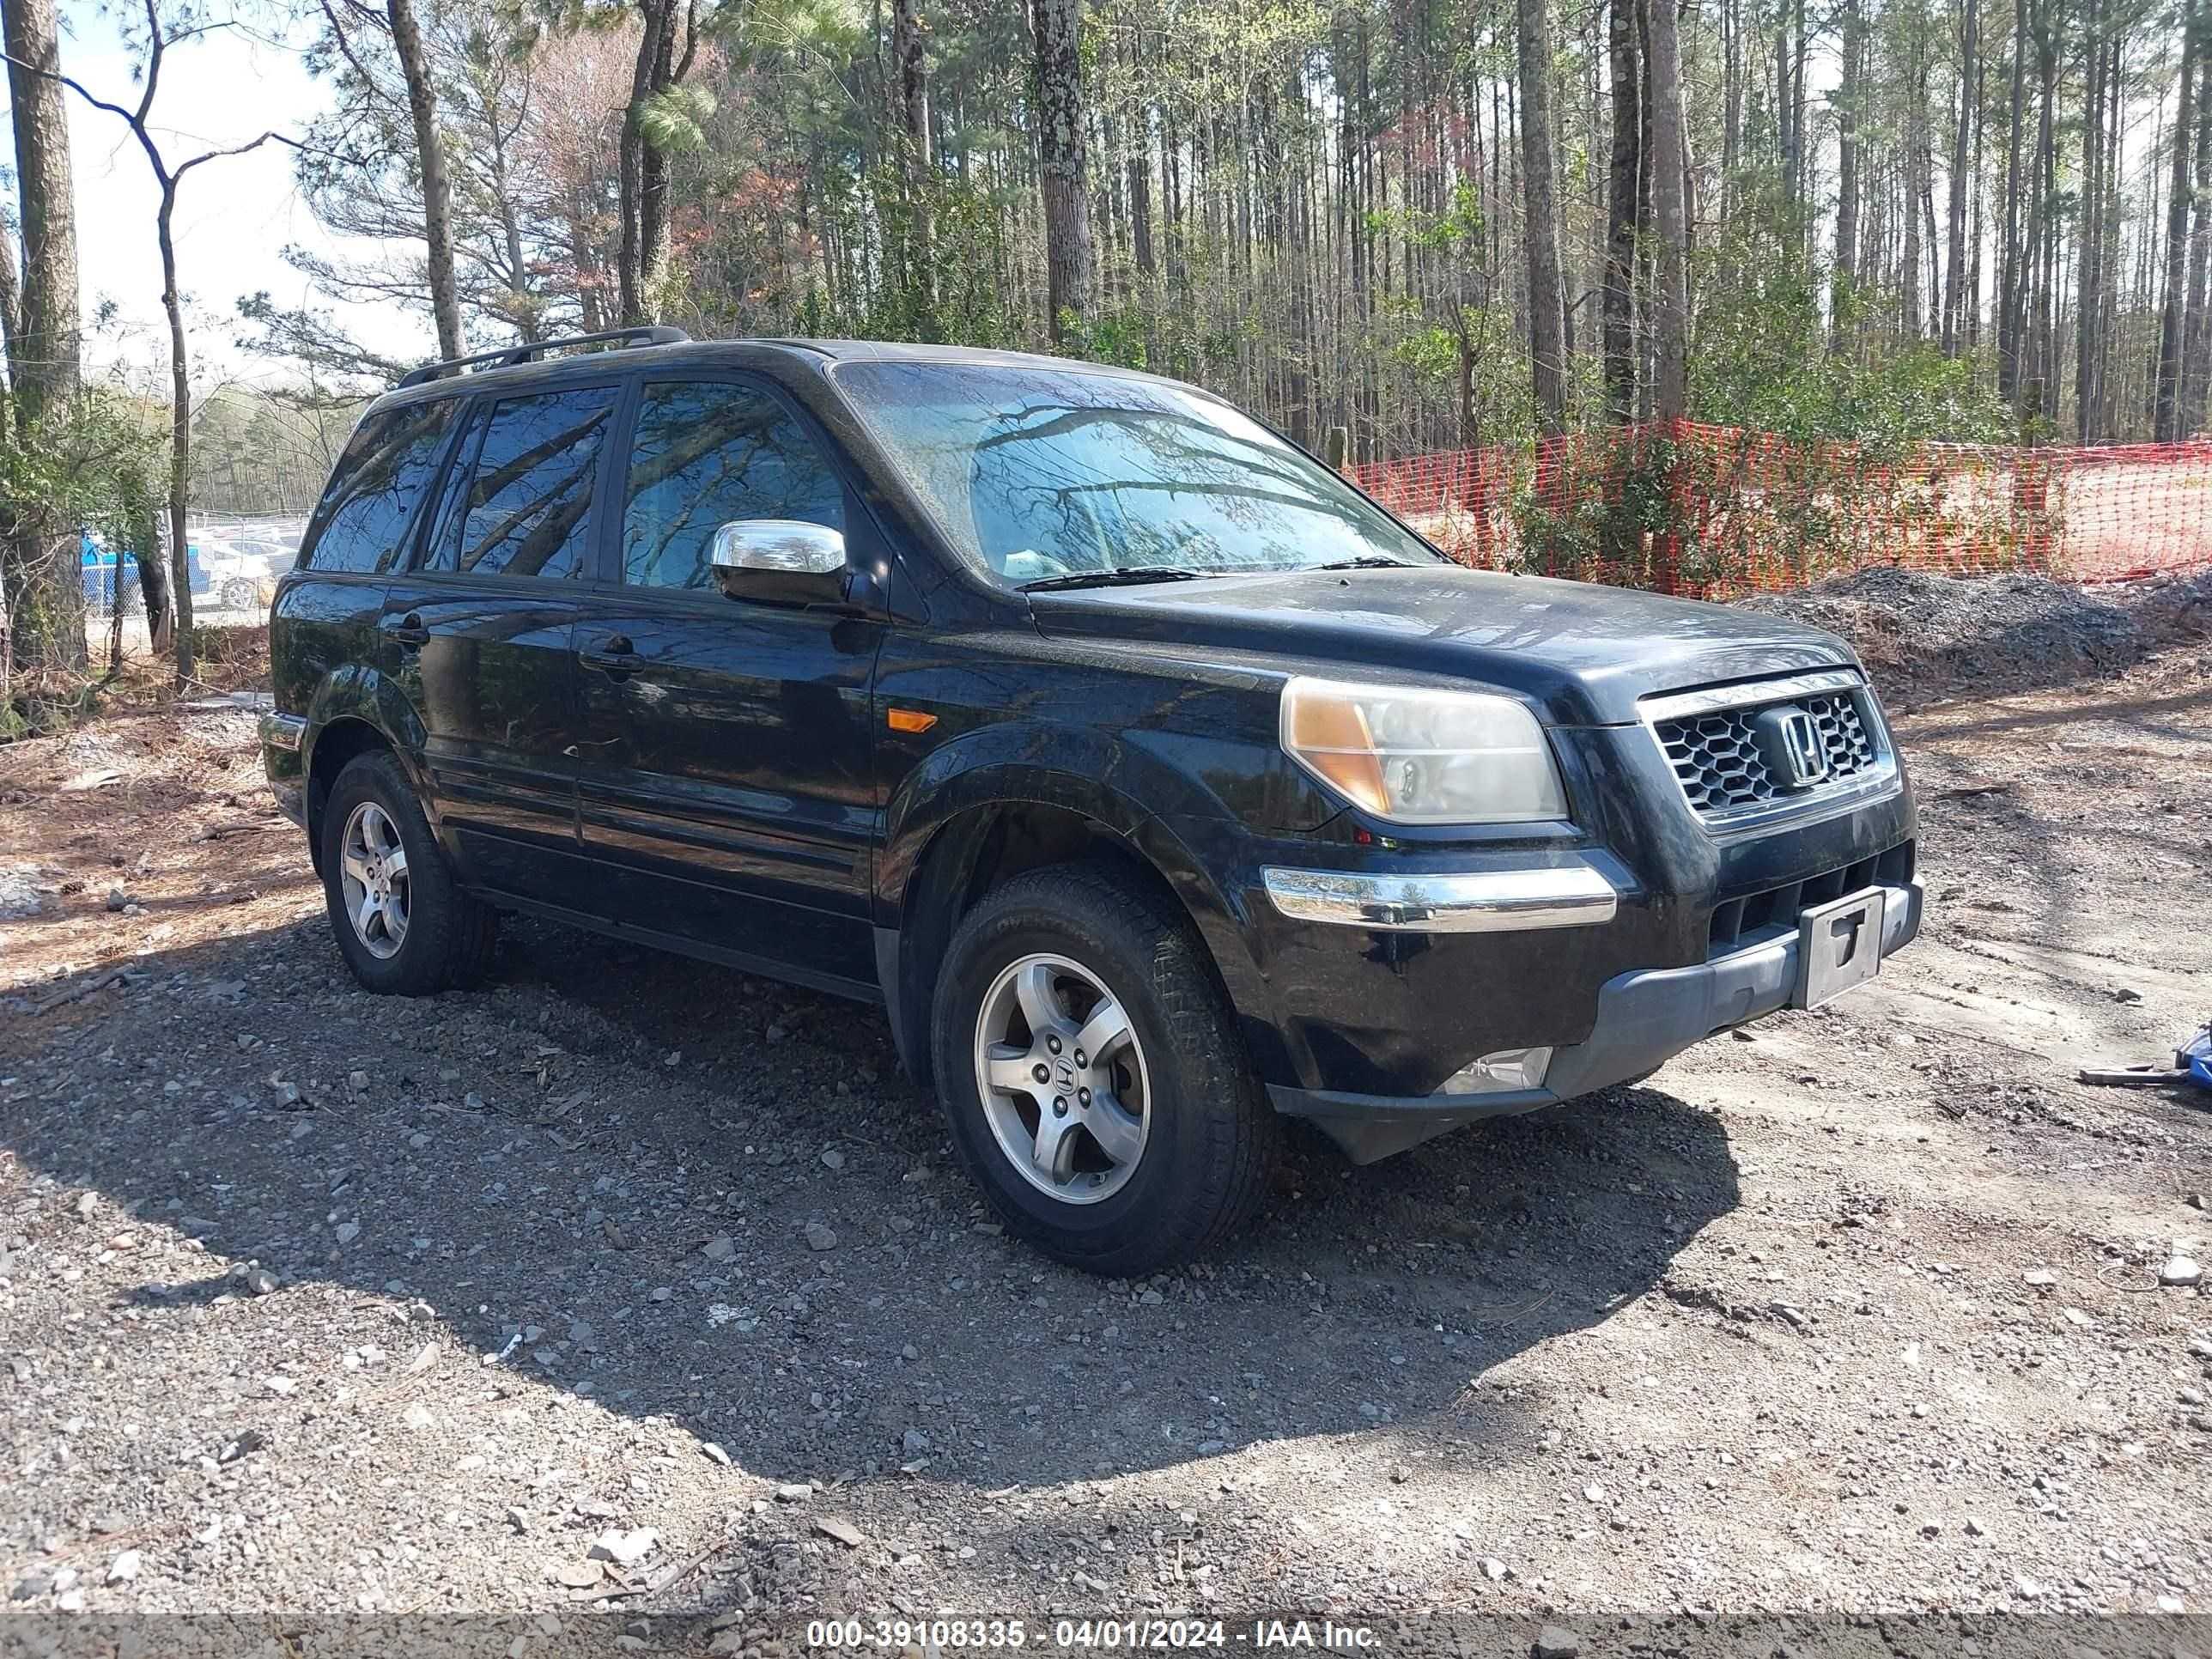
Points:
(1092, 1076)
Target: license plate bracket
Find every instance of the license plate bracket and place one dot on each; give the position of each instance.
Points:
(1838, 946)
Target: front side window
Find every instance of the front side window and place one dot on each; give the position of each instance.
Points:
(526, 508)
(1052, 475)
(376, 487)
(706, 454)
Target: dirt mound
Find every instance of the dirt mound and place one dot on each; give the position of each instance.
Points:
(1925, 635)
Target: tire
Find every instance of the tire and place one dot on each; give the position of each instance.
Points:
(436, 936)
(1206, 1137)
(241, 595)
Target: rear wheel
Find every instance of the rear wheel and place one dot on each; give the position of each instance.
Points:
(402, 921)
(1092, 1076)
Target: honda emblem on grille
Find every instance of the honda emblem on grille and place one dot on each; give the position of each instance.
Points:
(1791, 745)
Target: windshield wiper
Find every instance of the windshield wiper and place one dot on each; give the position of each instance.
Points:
(1368, 561)
(1121, 575)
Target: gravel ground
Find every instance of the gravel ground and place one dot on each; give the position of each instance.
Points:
(632, 1284)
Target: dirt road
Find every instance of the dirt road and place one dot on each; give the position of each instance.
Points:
(314, 1302)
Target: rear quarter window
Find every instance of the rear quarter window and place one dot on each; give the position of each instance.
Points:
(361, 523)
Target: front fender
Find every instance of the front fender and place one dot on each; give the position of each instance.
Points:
(1095, 775)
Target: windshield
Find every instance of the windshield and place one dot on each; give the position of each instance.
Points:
(1040, 474)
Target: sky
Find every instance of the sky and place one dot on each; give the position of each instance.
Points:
(234, 217)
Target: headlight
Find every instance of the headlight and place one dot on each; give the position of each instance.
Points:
(1415, 755)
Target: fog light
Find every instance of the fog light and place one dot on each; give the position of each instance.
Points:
(1509, 1068)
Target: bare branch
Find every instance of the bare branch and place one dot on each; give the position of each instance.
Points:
(183, 168)
(691, 39)
(72, 83)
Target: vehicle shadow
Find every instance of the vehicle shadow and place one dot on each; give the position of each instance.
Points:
(689, 1194)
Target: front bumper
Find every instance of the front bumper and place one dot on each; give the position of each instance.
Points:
(1505, 901)
(1644, 1018)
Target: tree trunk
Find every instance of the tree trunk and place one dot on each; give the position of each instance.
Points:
(1058, 25)
(1785, 128)
(1623, 199)
(11, 317)
(1647, 279)
(641, 250)
(44, 588)
(2115, 131)
(2088, 284)
(437, 194)
(1547, 317)
(911, 89)
(629, 295)
(2043, 242)
(653, 183)
(1955, 268)
(1470, 430)
(180, 434)
(2197, 327)
(2165, 425)
(2008, 279)
(587, 253)
(1916, 154)
(1732, 89)
(1671, 319)
(1840, 299)
(1139, 178)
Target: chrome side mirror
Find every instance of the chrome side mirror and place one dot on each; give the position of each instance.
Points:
(779, 561)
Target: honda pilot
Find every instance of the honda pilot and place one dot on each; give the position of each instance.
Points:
(1156, 784)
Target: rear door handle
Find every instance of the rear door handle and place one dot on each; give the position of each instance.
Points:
(614, 655)
(408, 630)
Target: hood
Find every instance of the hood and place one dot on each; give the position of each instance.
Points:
(1584, 653)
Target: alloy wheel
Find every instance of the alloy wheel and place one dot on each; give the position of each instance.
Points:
(1062, 1079)
(373, 865)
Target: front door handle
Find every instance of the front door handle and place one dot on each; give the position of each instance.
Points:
(408, 630)
(614, 655)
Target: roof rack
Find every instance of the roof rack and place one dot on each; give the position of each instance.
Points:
(530, 351)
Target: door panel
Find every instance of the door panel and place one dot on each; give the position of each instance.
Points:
(724, 776)
(723, 772)
(491, 674)
(482, 640)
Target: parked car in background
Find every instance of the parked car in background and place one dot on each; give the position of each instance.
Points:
(232, 578)
(224, 577)
(1155, 782)
(102, 570)
(99, 565)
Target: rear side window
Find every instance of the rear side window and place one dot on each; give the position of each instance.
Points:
(380, 479)
(525, 506)
(705, 454)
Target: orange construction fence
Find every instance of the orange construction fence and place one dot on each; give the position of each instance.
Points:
(1709, 510)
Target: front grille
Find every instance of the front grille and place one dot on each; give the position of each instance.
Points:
(1751, 918)
(1716, 755)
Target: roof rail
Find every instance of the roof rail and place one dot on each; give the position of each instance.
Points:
(530, 351)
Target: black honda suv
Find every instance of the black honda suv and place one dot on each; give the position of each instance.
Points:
(1153, 781)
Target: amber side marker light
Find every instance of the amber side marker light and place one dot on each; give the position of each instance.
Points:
(910, 720)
